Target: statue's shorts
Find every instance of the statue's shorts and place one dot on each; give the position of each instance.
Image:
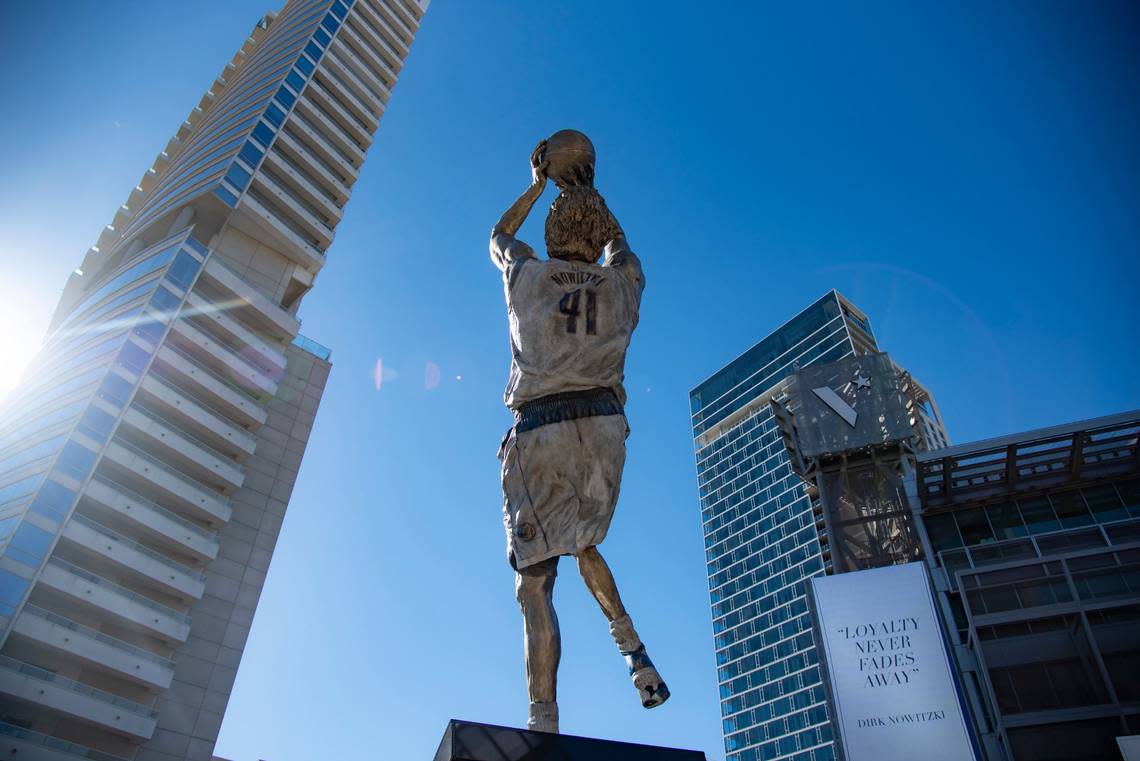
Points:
(561, 466)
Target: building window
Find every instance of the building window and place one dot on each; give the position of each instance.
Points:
(263, 134)
(53, 501)
(274, 115)
(1071, 509)
(250, 154)
(149, 329)
(974, 527)
(295, 80)
(1105, 504)
(183, 270)
(75, 460)
(286, 97)
(115, 389)
(29, 545)
(96, 423)
(12, 588)
(1006, 520)
(133, 357)
(1130, 493)
(165, 301)
(1039, 516)
(238, 176)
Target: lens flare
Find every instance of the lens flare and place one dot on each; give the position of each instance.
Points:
(382, 373)
(431, 375)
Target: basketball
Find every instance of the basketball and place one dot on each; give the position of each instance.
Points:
(571, 157)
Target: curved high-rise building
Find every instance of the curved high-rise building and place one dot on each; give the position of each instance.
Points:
(147, 459)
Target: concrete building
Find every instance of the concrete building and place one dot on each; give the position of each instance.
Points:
(766, 532)
(147, 460)
(1033, 544)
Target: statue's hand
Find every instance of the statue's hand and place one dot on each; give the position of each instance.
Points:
(538, 164)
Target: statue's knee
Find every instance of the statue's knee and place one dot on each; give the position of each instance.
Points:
(528, 590)
(531, 590)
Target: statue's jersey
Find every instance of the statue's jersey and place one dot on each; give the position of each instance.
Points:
(570, 322)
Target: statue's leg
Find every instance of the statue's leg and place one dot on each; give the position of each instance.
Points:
(600, 581)
(534, 588)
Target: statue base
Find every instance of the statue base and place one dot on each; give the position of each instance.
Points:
(469, 741)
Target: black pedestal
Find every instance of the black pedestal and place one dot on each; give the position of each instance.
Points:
(468, 741)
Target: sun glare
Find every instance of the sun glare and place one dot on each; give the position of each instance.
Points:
(22, 335)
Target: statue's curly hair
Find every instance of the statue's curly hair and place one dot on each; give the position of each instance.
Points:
(579, 225)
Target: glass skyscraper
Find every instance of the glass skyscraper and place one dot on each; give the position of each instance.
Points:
(764, 535)
(147, 460)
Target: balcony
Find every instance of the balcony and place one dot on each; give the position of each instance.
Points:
(364, 103)
(188, 453)
(367, 68)
(129, 608)
(254, 349)
(352, 50)
(260, 216)
(109, 548)
(196, 416)
(302, 183)
(347, 137)
(382, 36)
(160, 482)
(220, 392)
(316, 142)
(310, 224)
(220, 358)
(93, 647)
(300, 155)
(274, 320)
(41, 687)
(399, 18)
(24, 743)
(344, 103)
(114, 504)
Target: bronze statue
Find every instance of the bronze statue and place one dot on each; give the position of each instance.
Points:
(571, 320)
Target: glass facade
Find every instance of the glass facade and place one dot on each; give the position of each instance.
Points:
(56, 428)
(1036, 541)
(208, 159)
(155, 440)
(763, 538)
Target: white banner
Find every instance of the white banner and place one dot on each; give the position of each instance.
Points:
(891, 681)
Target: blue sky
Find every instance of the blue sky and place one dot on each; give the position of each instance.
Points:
(967, 173)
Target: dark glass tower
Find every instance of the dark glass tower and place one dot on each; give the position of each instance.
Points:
(764, 535)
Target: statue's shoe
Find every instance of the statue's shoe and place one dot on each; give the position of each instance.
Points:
(651, 688)
(543, 717)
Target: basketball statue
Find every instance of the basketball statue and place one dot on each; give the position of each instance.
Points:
(571, 320)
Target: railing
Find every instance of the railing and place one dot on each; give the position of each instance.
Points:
(311, 346)
(162, 380)
(225, 458)
(201, 316)
(130, 594)
(207, 534)
(54, 743)
(195, 325)
(78, 687)
(307, 174)
(180, 475)
(83, 520)
(119, 644)
(229, 382)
